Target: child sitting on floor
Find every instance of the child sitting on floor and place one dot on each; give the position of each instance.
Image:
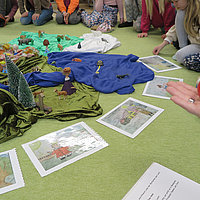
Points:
(104, 15)
(38, 12)
(133, 10)
(189, 10)
(8, 8)
(158, 13)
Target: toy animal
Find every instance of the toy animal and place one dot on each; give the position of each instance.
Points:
(35, 94)
(36, 69)
(122, 76)
(60, 47)
(60, 93)
(25, 41)
(40, 104)
(76, 60)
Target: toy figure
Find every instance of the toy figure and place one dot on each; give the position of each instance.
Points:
(99, 64)
(46, 43)
(68, 86)
(40, 33)
(64, 93)
(122, 76)
(60, 47)
(79, 45)
(76, 60)
(67, 38)
(25, 41)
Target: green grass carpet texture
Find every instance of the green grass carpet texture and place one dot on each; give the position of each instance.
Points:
(172, 139)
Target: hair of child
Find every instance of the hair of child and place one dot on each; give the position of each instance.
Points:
(192, 18)
(149, 6)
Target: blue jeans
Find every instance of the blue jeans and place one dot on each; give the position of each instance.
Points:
(45, 16)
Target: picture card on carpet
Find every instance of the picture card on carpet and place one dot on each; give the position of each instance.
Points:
(161, 183)
(157, 87)
(130, 117)
(10, 173)
(158, 64)
(58, 149)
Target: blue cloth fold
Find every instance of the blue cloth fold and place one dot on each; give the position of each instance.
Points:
(107, 80)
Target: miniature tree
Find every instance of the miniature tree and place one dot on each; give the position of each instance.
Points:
(25, 95)
(13, 76)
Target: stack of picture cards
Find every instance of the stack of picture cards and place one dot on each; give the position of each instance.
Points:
(157, 87)
(58, 149)
(10, 172)
(161, 183)
(158, 64)
(130, 117)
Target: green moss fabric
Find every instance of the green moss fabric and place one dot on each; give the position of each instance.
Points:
(52, 38)
(14, 118)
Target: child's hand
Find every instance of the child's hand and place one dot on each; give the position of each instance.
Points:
(35, 16)
(185, 96)
(158, 48)
(163, 36)
(141, 35)
(25, 14)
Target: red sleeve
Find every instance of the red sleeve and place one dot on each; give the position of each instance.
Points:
(169, 16)
(145, 19)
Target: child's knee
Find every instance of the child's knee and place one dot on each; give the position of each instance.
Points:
(180, 56)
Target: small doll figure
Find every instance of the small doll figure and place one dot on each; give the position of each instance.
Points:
(46, 44)
(68, 86)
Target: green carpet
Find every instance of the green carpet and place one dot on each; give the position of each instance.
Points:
(173, 139)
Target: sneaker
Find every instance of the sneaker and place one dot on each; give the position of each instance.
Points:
(125, 24)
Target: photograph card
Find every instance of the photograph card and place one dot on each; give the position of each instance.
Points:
(157, 87)
(58, 149)
(161, 183)
(158, 64)
(130, 117)
(10, 173)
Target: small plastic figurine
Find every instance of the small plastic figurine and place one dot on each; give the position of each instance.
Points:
(46, 43)
(79, 45)
(40, 33)
(60, 93)
(25, 41)
(122, 76)
(76, 60)
(68, 86)
(99, 64)
(60, 47)
(67, 38)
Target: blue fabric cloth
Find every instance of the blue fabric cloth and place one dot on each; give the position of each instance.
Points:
(106, 80)
(41, 79)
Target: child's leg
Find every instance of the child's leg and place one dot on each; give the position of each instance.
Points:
(180, 30)
(3, 7)
(27, 20)
(186, 51)
(129, 10)
(74, 18)
(90, 19)
(59, 18)
(45, 16)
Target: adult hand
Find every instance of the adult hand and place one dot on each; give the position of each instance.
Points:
(158, 48)
(35, 16)
(25, 14)
(66, 17)
(7, 17)
(141, 35)
(185, 96)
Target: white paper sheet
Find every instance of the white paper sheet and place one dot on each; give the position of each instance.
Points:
(161, 183)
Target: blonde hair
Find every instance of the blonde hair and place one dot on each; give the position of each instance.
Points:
(149, 6)
(192, 18)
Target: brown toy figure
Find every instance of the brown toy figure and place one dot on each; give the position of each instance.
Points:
(67, 38)
(60, 93)
(76, 60)
(68, 86)
(46, 43)
(35, 94)
(60, 47)
(40, 33)
(22, 36)
(60, 36)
